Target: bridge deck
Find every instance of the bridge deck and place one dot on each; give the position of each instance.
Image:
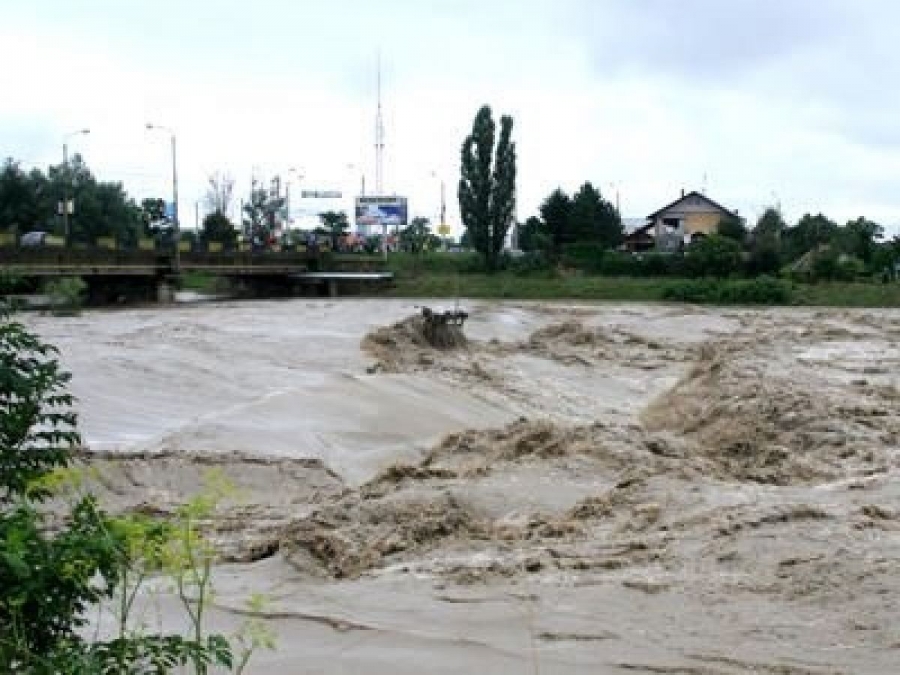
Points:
(70, 270)
(86, 262)
(98, 262)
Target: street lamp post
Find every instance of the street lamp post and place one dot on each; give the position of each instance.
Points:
(156, 127)
(442, 225)
(362, 192)
(66, 179)
(362, 178)
(287, 191)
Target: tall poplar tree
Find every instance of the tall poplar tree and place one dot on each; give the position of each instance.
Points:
(487, 185)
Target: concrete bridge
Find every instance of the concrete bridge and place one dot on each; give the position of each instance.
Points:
(155, 273)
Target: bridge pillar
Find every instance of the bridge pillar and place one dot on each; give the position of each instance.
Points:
(165, 294)
(332, 288)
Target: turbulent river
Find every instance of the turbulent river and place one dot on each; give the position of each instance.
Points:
(580, 489)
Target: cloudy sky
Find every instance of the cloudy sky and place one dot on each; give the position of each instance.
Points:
(758, 102)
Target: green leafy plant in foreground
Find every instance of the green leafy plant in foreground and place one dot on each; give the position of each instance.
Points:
(54, 571)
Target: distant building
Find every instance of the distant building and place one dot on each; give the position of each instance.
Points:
(691, 215)
(640, 239)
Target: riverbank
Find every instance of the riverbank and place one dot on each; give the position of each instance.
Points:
(625, 289)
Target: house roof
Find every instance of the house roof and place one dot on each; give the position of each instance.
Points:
(632, 224)
(690, 195)
(639, 232)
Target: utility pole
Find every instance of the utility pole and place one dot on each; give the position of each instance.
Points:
(176, 222)
(379, 155)
(287, 203)
(66, 180)
(379, 138)
(65, 201)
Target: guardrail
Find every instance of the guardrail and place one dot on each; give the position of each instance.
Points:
(78, 256)
(48, 261)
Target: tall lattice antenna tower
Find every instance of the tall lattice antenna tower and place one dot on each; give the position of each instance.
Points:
(379, 139)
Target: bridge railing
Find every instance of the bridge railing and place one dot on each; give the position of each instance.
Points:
(69, 257)
(238, 259)
(59, 260)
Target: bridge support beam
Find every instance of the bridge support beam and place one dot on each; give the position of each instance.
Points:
(165, 293)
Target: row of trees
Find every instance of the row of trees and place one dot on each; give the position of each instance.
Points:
(585, 218)
(417, 237)
(487, 201)
(857, 238)
(815, 245)
(815, 248)
(32, 200)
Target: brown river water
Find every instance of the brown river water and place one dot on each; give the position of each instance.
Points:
(586, 488)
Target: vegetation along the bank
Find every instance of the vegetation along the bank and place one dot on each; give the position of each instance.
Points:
(59, 571)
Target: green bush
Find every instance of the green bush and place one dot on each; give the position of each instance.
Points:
(585, 256)
(760, 291)
(529, 264)
(405, 265)
(713, 256)
(10, 283)
(652, 264)
(66, 295)
(764, 260)
(54, 571)
(827, 265)
(661, 264)
(615, 264)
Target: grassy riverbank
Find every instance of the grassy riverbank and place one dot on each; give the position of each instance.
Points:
(453, 276)
(508, 286)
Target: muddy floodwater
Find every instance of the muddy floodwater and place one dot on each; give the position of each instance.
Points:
(577, 489)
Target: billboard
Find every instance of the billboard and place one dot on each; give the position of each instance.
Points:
(375, 213)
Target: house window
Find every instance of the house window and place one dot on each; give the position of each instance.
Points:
(672, 223)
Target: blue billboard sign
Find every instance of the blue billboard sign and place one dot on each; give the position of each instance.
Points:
(378, 212)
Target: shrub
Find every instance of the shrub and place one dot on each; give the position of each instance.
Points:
(713, 256)
(66, 295)
(583, 255)
(763, 261)
(10, 283)
(529, 264)
(52, 573)
(853, 269)
(760, 291)
(437, 262)
(827, 265)
(617, 264)
(657, 264)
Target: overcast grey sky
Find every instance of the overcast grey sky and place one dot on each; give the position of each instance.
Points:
(765, 101)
